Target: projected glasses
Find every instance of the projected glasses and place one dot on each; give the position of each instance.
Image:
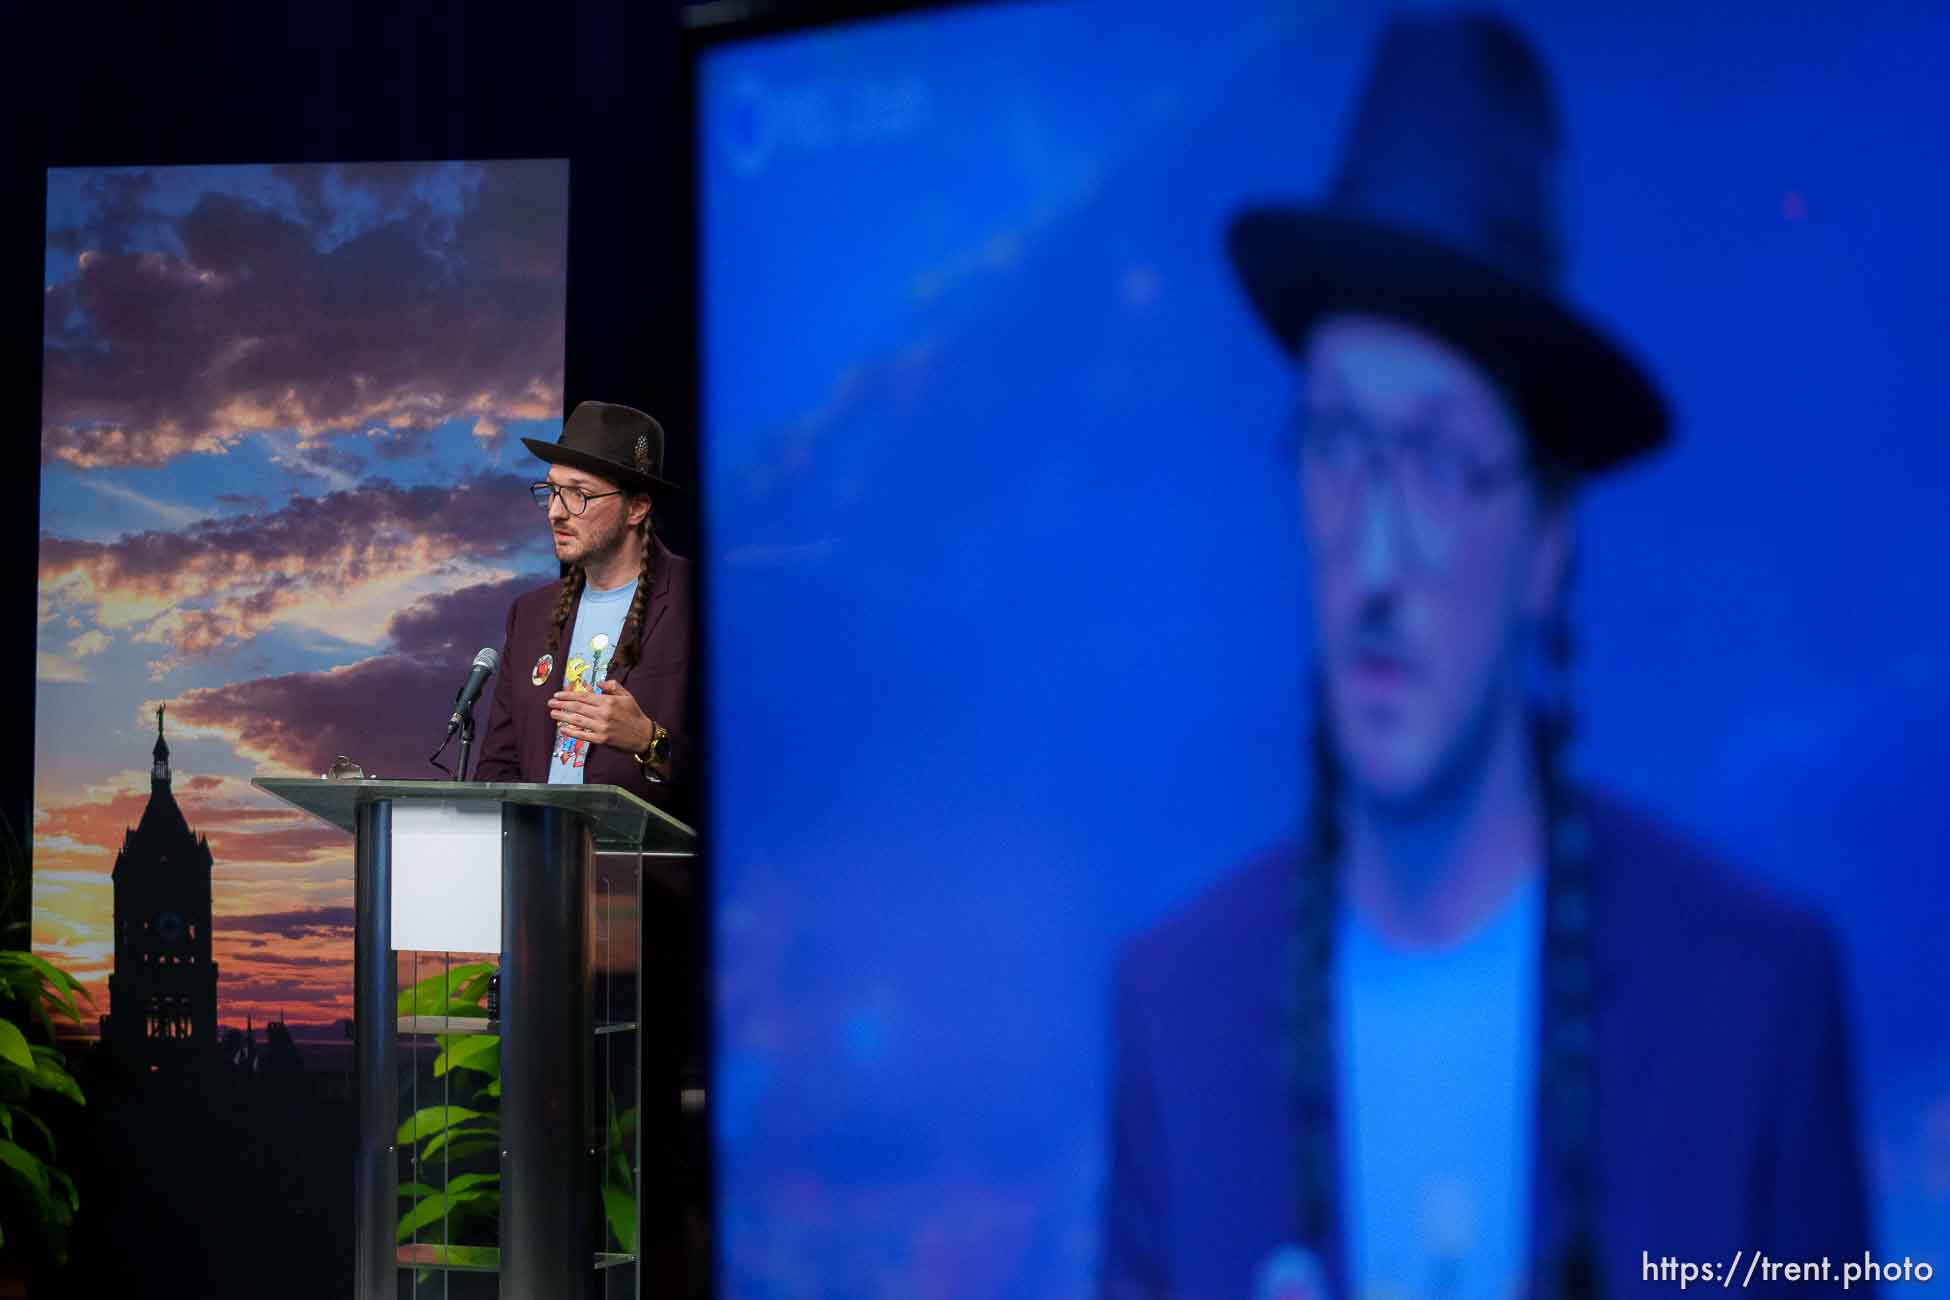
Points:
(1436, 477)
(574, 499)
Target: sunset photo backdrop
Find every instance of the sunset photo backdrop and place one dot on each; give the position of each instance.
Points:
(282, 493)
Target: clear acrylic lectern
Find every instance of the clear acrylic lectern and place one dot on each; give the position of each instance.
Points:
(496, 1032)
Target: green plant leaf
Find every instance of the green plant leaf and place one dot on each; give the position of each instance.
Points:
(53, 1204)
(493, 1089)
(430, 1120)
(36, 1006)
(486, 1125)
(13, 1046)
(25, 1163)
(415, 1189)
(482, 1203)
(42, 1018)
(59, 1182)
(621, 1128)
(54, 975)
(473, 990)
(51, 1074)
(619, 1207)
(47, 1134)
(437, 994)
(470, 1052)
(419, 999)
(17, 978)
(465, 1144)
(56, 987)
(468, 1182)
(439, 1206)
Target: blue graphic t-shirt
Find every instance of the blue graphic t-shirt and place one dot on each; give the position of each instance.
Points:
(1438, 1067)
(592, 646)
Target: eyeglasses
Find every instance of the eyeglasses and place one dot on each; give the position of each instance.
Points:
(1438, 477)
(574, 499)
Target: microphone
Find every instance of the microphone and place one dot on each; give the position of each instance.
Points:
(484, 665)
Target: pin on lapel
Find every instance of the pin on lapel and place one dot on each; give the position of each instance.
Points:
(543, 668)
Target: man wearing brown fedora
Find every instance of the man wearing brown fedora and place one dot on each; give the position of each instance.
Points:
(595, 677)
(1482, 1032)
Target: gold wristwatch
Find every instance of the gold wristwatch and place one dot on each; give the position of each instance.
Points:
(658, 750)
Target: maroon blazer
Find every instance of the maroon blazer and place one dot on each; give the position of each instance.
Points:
(520, 734)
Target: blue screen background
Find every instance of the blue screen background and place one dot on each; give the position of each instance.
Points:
(1007, 621)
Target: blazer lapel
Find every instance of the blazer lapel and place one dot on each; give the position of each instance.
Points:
(540, 740)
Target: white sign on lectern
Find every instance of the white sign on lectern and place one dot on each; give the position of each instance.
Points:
(447, 877)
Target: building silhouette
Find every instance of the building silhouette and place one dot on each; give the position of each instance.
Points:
(162, 993)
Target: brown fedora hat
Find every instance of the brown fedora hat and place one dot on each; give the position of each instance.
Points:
(620, 443)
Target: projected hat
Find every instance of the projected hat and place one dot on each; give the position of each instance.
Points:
(1444, 215)
(620, 443)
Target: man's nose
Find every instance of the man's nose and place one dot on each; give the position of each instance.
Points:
(556, 508)
(1378, 538)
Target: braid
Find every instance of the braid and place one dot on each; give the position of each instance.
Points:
(1316, 906)
(1567, 1060)
(630, 637)
(572, 583)
(1567, 1076)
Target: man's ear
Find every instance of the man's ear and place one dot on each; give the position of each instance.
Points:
(1550, 562)
(639, 511)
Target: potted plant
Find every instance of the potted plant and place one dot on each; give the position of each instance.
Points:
(38, 1199)
(452, 1209)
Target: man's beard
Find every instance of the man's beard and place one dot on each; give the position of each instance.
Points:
(1459, 767)
(596, 552)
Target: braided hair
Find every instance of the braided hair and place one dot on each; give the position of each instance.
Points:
(1316, 906)
(1567, 1092)
(573, 582)
(632, 634)
(575, 579)
(1566, 1080)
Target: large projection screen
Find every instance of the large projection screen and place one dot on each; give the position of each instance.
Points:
(1014, 639)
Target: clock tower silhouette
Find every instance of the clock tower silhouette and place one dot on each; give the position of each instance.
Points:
(162, 993)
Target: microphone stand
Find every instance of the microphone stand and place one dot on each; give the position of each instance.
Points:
(466, 742)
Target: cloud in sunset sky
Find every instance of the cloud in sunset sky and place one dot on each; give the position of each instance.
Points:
(367, 302)
(386, 713)
(305, 924)
(220, 581)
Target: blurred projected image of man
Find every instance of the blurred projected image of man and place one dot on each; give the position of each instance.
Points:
(1483, 1033)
